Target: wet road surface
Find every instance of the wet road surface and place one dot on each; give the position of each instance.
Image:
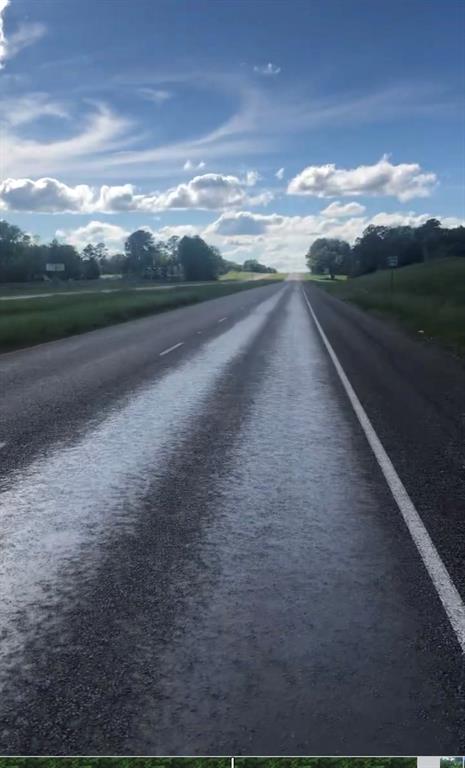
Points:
(200, 554)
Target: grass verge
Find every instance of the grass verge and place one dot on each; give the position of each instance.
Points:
(24, 323)
(428, 299)
(254, 276)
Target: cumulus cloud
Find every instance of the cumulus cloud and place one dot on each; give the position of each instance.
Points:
(282, 241)
(267, 69)
(26, 34)
(95, 232)
(212, 191)
(340, 210)
(280, 174)
(244, 223)
(404, 181)
(190, 166)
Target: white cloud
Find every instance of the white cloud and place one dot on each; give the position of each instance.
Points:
(190, 166)
(24, 109)
(251, 178)
(282, 241)
(26, 34)
(280, 174)
(404, 181)
(244, 223)
(339, 210)
(212, 191)
(158, 96)
(267, 69)
(3, 44)
(95, 232)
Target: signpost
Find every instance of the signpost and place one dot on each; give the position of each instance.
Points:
(392, 262)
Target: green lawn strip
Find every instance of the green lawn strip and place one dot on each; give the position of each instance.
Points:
(325, 762)
(114, 762)
(253, 276)
(427, 299)
(24, 323)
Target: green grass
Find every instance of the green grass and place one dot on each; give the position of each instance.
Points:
(23, 323)
(323, 278)
(72, 286)
(428, 299)
(253, 276)
(115, 762)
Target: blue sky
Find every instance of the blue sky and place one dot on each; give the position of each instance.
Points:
(260, 125)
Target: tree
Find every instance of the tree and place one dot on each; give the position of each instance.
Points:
(199, 261)
(59, 253)
(329, 255)
(429, 236)
(140, 251)
(90, 269)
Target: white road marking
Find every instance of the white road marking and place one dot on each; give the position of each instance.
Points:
(170, 349)
(222, 319)
(445, 587)
(2, 444)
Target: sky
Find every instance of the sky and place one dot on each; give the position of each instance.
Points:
(260, 125)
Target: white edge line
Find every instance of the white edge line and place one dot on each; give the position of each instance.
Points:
(170, 349)
(446, 589)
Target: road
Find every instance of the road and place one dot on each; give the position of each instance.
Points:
(201, 554)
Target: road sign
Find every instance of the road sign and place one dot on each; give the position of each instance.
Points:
(55, 267)
(392, 261)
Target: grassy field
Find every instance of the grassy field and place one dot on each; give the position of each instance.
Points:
(23, 323)
(253, 276)
(428, 299)
(115, 762)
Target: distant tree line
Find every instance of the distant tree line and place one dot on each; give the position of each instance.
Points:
(23, 259)
(371, 251)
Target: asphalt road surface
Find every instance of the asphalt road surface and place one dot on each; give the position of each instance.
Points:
(200, 553)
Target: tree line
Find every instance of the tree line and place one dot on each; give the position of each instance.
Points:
(24, 259)
(372, 250)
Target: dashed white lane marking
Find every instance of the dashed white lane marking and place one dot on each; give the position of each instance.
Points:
(2, 444)
(445, 587)
(222, 319)
(170, 349)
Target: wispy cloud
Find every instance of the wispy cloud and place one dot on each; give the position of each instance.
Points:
(267, 69)
(3, 46)
(26, 34)
(156, 95)
(190, 166)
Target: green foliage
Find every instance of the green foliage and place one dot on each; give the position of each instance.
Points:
(377, 243)
(252, 265)
(329, 255)
(325, 762)
(199, 260)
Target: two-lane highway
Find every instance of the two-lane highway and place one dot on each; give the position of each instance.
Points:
(201, 554)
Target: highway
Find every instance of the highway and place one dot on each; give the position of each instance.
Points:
(201, 553)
